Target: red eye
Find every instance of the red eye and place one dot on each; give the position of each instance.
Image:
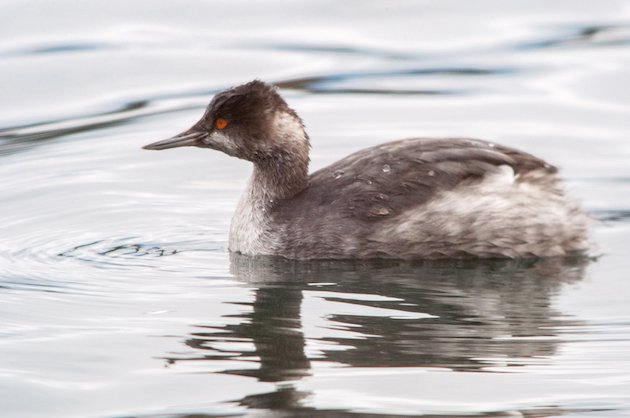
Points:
(220, 123)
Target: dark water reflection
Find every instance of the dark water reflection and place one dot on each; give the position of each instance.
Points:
(480, 315)
(585, 35)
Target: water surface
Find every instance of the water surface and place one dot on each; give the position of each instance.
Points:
(119, 297)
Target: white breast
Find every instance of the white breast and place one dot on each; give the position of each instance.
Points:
(249, 231)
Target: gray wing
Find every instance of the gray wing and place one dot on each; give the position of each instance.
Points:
(389, 178)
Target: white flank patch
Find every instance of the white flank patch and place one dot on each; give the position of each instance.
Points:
(503, 175)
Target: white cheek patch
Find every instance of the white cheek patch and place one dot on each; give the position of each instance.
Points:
(221, 141)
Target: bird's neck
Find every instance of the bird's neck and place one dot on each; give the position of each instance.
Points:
(278, 178)
(271, 182)
(281, 171)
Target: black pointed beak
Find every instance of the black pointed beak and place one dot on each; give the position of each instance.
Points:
(189, 138)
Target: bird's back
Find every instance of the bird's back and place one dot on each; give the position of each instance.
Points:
(430, 198)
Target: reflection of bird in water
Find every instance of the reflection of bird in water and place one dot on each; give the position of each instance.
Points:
(273, 326)
(483, 315)
(416, 198)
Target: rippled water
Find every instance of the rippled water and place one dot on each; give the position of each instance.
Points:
(119, 297)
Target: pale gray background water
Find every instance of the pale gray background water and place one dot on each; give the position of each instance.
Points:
(118, 297)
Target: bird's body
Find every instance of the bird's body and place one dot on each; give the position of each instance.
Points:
(418, 198)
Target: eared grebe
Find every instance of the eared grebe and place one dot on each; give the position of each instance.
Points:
(420, 198)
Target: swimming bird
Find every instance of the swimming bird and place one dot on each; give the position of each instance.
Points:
(419, 198)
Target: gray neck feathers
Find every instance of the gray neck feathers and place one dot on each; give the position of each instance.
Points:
(284, 171)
